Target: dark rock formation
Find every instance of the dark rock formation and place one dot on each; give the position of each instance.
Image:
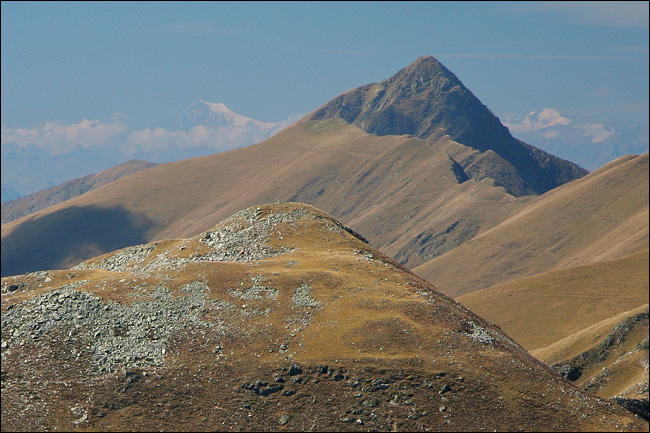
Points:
(636, 406)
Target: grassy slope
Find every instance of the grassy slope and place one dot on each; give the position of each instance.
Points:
(398, 191)
(576, 316)
(599, 217)
(34, 202)
(612, 355)
(541, 309)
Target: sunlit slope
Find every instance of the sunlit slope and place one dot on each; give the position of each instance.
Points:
(588, 322)
(609, 358)
(414, 161)
(407, 195)
(541, 309)
(278, 318)
(599, 217)
(20, 207)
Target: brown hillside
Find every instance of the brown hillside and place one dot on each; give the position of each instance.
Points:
(279, 318)
(589, 322)
(415, 194)
(565, 301)
(405, 194)
(20, 207)
(600, 217)
(609, 358)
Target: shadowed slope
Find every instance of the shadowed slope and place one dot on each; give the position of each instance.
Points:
(20, 207)
(84, 231)
(602, 216)
(277, 318)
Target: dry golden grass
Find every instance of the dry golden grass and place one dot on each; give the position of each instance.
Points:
(399, 191)
(600, 217)
(583, 340)
(574, 316)
(617, 367)
(25, 205)
(542, 309)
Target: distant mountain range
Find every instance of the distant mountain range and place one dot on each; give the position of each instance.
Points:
(436, 173)
(590, 143)
(39, 158)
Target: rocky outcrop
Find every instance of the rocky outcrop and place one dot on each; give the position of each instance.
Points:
(640, 407)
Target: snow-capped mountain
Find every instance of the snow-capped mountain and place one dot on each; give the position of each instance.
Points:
(202, 129)
(588, 142)
(217, 115)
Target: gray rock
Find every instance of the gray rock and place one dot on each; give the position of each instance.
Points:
(121, 336)
(295, 369)
(570, 372)
(302, 297)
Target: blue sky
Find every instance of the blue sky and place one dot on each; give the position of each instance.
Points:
(142, 63)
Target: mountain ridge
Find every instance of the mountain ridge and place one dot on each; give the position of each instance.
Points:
(601, 216)
(51, 154)
(22, 206)
(400, 190)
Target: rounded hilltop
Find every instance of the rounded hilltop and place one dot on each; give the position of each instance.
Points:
(277, 318)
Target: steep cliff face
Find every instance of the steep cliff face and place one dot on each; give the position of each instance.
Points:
(427, 100)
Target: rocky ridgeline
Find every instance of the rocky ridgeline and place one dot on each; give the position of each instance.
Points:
(244, 236)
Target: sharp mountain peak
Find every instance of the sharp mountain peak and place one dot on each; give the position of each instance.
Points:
(426, 100)
(216, 114)
(426, 70)
(413, 101)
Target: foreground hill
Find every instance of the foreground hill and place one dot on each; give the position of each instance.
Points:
(278, 318)
(20, 207)
(602, 216)
(416, 193)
